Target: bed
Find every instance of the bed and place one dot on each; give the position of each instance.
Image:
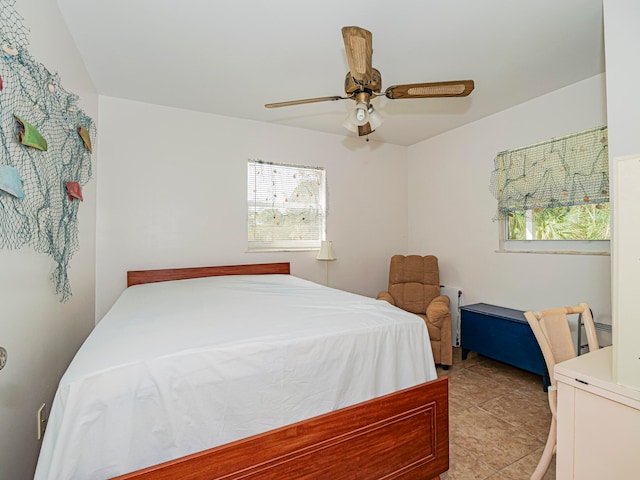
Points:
(248, 372)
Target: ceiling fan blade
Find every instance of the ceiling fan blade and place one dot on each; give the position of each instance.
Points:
(359, 47)
(460, 88)
(364, 129)
(306, 100)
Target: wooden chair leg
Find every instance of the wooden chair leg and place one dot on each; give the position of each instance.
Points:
(547, 454)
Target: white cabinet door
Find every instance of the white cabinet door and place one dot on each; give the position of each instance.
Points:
(606, 438)
(598, 421)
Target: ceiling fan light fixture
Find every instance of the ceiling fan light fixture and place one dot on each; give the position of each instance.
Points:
(362, 114)
(362, 83)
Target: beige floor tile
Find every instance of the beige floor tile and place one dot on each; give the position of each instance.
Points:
(468, 389)
(498, 420)
(489, 439)
(458, 364)
(526, 409)
(472, 358)
(516, 377)
(464, 466)
(523, 468)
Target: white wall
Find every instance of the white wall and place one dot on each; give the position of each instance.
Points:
(622, 44)
(172, 193)
(451, 208)
(40, 333)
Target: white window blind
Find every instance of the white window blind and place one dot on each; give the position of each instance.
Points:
(286, 206)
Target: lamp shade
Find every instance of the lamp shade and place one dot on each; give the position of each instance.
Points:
(326, 251)
(375, 119)
(349, 123)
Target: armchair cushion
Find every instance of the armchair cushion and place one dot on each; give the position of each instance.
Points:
(414, 282)
(386, 296)
(438, 311)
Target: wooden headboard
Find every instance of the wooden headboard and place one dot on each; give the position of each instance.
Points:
(137, 277)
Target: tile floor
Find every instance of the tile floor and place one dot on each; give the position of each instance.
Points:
(498, 420)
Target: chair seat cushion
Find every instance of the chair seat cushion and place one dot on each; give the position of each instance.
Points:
(414, 297)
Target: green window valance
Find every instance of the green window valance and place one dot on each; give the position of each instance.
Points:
(562, 171)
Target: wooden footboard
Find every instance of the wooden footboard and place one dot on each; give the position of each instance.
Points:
(404, 435)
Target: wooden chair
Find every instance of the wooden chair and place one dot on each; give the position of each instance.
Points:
(551, 329)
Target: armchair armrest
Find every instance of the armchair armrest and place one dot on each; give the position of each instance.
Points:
(438, 312)
(386, 296)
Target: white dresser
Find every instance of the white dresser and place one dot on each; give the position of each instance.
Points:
(598, 421)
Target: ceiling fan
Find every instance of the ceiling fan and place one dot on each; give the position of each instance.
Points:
(363, 83)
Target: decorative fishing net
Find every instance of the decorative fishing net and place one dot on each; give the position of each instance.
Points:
(560, 172)
(34, 107)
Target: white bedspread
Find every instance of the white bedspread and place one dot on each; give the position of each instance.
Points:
(178, 367)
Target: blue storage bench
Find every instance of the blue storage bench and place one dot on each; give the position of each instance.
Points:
(502, 334)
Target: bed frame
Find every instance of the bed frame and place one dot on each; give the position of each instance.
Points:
(403, 435)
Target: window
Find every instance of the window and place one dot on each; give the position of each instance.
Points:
(286, 206)
(578, 222)
(554, 195)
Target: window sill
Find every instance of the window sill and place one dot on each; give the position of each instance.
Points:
(554, 247)
(557, 252)
(272, 250)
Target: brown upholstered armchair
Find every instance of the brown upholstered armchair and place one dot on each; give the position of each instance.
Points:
(414, 286)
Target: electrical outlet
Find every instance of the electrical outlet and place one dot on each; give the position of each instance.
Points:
(41, 418)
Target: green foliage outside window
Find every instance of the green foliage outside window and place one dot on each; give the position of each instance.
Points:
(579, 222)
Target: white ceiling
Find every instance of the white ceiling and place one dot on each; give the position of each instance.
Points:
(231, 57)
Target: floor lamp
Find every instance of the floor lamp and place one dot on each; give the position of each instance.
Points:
(326, 254)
